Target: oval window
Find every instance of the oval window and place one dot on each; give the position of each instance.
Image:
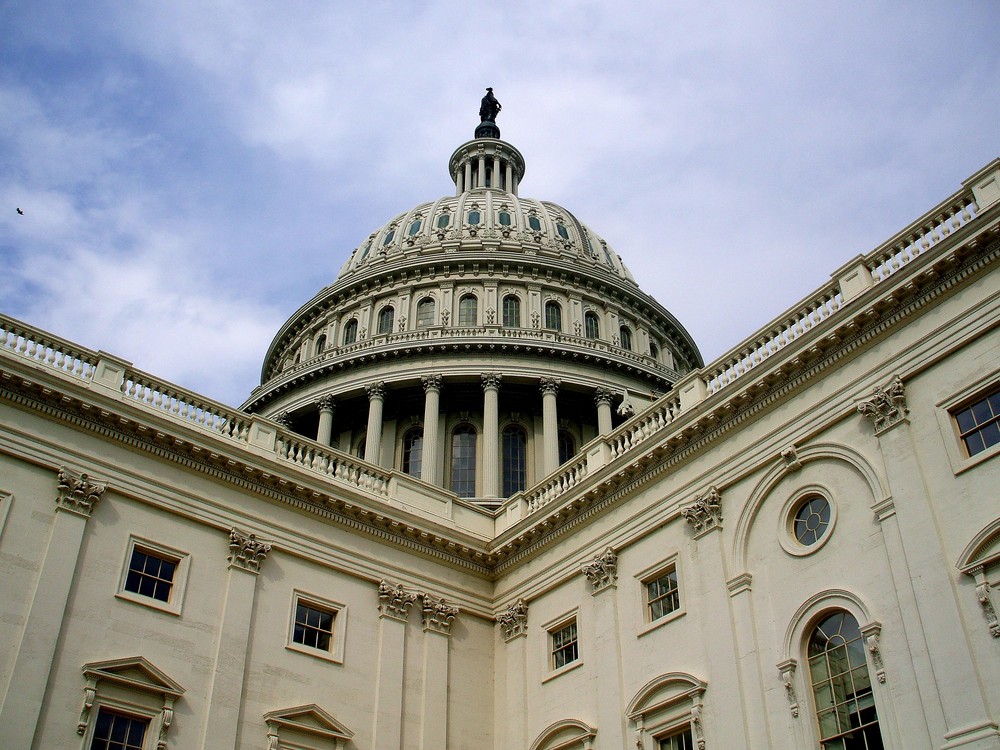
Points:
(812, 519)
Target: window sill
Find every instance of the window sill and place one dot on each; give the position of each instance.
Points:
(146, 601)
(314, 652)
(649, 627)
(563, 670)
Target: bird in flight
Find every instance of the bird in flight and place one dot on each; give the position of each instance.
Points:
(20, 211)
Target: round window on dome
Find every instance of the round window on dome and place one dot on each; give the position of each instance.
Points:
(811, 521)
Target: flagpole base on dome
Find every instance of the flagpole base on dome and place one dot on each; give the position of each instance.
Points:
(487, 129)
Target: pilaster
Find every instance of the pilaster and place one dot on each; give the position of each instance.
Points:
(602, 575)
(394, 608)
(437, 616)
(513, 622)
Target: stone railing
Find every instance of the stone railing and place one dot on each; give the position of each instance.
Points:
(554, 485)
(45, 349)
(331, 463)
(644, 425)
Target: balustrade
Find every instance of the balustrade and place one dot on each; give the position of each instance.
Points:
(44, 349)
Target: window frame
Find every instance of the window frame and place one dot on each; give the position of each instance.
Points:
(553, 627)
(422, 319)
(133, 713)
(625, 337)
(475, 431)
(786, 520)
(553, 314)
(945, 410)
(350, 332)
(182, 562)
(338, 632)
(515, 308)
(507, 463)
(462, 320)
(386, 320)
(588, 316)
(654, 572)
(406, 451)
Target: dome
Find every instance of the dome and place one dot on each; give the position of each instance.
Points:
(482, 317)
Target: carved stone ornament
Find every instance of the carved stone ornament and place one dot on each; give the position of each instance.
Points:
(603, 396)
(989, 611)
(78, 492)
(577, 327)
(549, 385)
(491, 316)
(603, 571)
(514, 620)
(871, 633)
(491, 380)
(283, 419)
(431, 382)
(327, 403)
(787, 671)
(436, 613)
(886, 407)
(246, 551)
(705, 513)
(376, 390)
(535, 319)
(790, 456)
(696, 724)
(445, 317)
(394, 601)
(402, 323)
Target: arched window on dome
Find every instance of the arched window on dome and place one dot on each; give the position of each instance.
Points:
(351, 331)
(320, 344)
(654, 350)
(359, 449)
(567, 446)
(511, 311)
(463, 460)
(425, 312)
(626, 337)
(515, 460)
(842, 685)
(444, 220)
(468, 310)
(413, 451)
(553, 316)
(592, 325)
(414, 227)
(386, 317)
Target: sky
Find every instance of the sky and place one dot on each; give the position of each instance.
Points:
(191, 173)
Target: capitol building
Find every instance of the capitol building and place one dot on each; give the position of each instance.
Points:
(488, 495)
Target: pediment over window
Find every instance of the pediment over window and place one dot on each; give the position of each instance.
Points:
(663, 691)
(983, 552)
(308, 723)
(564, 735)
(136, 673)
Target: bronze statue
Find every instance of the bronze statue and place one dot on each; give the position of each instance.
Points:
(489, 108)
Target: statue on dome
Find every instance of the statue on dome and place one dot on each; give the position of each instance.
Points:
(489, 108)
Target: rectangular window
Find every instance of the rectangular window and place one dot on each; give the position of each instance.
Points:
(154, 575)
(678, 741)
(662, 595)
(317, 627)
(565, 649)
(979, 423)
(115, 731)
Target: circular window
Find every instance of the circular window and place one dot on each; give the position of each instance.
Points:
(812, 520)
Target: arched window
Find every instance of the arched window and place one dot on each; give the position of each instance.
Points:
(567, 446)
(320, 344)
(515, 460)
(654, 350)
(592, 325)
(553, 316)
(413, 451)
(463, 461)
(425, 312)
(360, 450)
(351, 331)
(511, 312)
(385, 319)
(626, 338)
(841, 685)
(468, 310)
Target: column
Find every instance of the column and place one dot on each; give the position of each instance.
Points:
(508, 183)
(550, 424)
(602, 574)
(394, 607)
(949, 665)
(491, 434)
(432, 402)
(496, 173)
(77, 494)
(325, 432)
(513, 624)
(373, 439)
(747, 651)
(603, 398)
(246, 553)
(437, 616)
(481, 182)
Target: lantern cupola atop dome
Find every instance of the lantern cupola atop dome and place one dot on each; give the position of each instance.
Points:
(486, 162)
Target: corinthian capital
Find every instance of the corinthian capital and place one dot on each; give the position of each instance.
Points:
(603, 571)
(603, 395)
(549, 385)
(78, 492)
(437, 614)
(886, 407)
(394, 601)
(431, 382)
(246, 551)
(326, 403)
(376, 390)
(514, 620)
(705, 513)
(491, 380)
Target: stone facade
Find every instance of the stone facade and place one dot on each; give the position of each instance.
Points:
(228, 581)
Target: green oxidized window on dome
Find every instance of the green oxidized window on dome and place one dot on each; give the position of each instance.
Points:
(364, 253)
(388, 237)
(504, 219)
(414, 227)
(563, 232)
(443, 221)
(534, 223)
(474, 217)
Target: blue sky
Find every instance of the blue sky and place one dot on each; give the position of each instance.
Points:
(192, 172)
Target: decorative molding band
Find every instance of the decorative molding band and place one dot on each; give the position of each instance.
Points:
(77, 492)
(705, 513)
(738, 584)
(514, 620)
(394, 602)
(603, 571)
(886, 407)
(436, 613)
(246, 551)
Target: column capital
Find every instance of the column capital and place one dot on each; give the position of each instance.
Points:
(705, 512)
(376, 390)
(326, 403)
(78, 492)
(886, 407)
(603, 395)
(491, 380)
(394, 601)
(514, 620)
(603, 571)
(431, 382)
(549, 385)
(283, 419)
(436, 614)
(246, 551)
